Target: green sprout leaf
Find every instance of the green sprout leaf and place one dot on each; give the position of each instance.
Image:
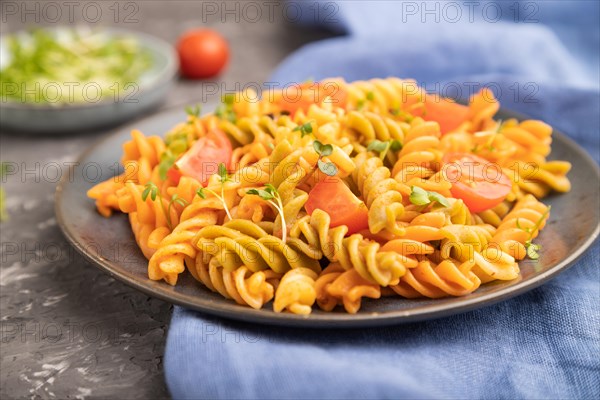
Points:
(225, 109)
(150, 189)
(175, 199)
(404, 115)
(229, 99)
(317, 146)
(419, 196)
(223, 173)
(377, 145)
(383, 147)
(395, 145)
(167, 160)
(434, 196)
(370, 96)
(422, 197)
(193, 111)
(305, 129)
(360, 104)
(324, 150)
(263, 194)
(270, 188)
(271, 195)
(328, 168)
(178, 200)
(532, 250)
(200, 193)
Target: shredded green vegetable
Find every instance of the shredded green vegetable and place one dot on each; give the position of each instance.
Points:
(71, 66)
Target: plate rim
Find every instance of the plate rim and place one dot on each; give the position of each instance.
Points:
(231, 311)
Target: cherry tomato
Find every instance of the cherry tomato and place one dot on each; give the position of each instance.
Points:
(296, 97)
(481, 184)
(203, 158)
(445, 112)
(336, 199)
(202, 53)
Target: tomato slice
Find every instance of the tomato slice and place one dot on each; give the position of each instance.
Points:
(203, 158)
(174, 175)
(336, 199)
(445, 112)
(300, 97)
(481, 184)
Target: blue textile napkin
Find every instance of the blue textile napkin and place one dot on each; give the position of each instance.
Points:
(542, 60)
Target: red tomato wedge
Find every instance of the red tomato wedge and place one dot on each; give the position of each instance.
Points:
(480, 183)
(296, 97)
(336, 199)
(174, 175)
(203, 158)
(445, 112)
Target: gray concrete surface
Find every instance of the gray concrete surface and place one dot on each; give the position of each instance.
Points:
(67, 329)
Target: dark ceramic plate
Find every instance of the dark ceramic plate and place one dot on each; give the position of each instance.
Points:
(109, 243)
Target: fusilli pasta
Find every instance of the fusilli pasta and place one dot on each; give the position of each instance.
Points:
(359, 190)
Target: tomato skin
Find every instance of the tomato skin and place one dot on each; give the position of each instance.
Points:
(479, 183)
(203, 53)
(448, 114)
(174, 175)
(203, 158)
(301, 97)
(336, 199)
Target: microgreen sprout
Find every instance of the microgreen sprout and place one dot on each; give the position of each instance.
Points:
(177, 144)
(167, 160)
(360, 104)
(305, 129)
(383, 147)
(193, 112)
(271, 195)
(225, 109)
(150, 189)
(533, 248)
(490, 142)
(404, 115)
(422, 197)
(324, 150)
(224, 177)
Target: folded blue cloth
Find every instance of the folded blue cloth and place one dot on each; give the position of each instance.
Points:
(543, 344)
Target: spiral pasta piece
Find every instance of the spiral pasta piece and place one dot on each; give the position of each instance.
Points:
(296, 291)
(352, 252)
(522, 224)
(336, 286)
(168, 260)
(253, 289)
(241, 242)
(448, 278)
